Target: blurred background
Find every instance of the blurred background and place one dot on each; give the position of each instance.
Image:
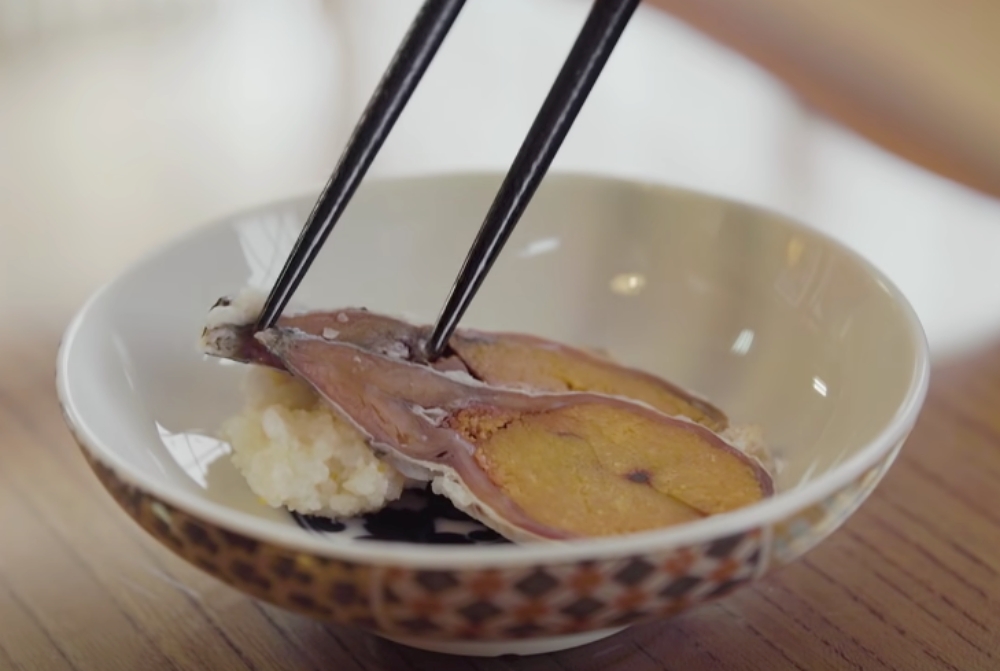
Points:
(125, 122)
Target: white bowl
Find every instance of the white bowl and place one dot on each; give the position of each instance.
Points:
(773, 322)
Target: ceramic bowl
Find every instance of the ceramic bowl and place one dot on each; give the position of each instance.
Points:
(775, 323)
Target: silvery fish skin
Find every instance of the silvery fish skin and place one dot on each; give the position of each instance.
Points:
(400, 340)
(370, 331)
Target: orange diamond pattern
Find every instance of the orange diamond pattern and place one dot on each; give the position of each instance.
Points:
(534, 601)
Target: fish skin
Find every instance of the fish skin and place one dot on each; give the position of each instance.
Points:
(395, 403)
(395, 338)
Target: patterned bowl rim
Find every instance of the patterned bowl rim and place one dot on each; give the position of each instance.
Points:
(382, 553)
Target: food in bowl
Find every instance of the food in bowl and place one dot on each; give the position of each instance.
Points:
(343, 412)
(817, 347)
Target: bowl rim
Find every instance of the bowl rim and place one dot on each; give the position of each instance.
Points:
(385, 553)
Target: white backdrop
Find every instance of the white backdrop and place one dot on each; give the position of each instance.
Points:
(124, 122)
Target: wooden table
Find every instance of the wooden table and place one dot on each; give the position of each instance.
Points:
(911, 582)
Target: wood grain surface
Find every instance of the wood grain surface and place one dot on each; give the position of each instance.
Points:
(911, 582)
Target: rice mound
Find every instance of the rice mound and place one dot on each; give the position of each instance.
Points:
(296, 452)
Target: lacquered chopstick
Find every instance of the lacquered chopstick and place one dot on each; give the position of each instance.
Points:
(408, 65)
(593, 46)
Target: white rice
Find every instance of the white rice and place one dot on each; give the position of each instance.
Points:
(242, 309)
(297, 453)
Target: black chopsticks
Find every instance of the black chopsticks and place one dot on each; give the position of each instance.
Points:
(590, 52)
(408, 65)
(597, 39)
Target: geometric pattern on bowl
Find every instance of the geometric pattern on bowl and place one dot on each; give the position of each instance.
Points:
(563, 598)
(471, 604)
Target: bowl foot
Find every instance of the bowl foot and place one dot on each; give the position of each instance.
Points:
(529, 646)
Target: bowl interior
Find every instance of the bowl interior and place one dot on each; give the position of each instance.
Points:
(774, 323)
